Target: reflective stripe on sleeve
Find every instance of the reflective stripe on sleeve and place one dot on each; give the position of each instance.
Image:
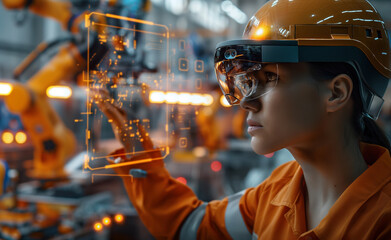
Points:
(234, 222)
(193, 221)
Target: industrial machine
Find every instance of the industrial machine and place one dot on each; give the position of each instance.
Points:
(55, 204)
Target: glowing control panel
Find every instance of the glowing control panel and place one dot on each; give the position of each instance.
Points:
(120, 51)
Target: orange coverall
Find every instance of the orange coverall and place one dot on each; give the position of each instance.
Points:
(273, 210)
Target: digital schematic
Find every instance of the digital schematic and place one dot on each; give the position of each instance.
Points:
(117, 58)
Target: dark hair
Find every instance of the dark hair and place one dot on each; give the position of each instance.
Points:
(367, 129)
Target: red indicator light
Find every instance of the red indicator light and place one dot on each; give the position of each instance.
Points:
(182, 180)
(215, 166)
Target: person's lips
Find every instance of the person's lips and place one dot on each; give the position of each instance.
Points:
(253, 126)
(252, 123)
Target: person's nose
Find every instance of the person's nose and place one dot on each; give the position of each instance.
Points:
(253, 105)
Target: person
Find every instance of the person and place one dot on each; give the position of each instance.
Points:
(311, 75)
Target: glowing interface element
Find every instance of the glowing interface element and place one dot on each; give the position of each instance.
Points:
(119, 78)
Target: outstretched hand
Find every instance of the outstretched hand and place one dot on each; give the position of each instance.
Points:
(120, 126)
(115, 114)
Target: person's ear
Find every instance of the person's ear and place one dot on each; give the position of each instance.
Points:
(340, 89)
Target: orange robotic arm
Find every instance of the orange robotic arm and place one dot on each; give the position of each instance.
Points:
(60, 11)
(53, 142)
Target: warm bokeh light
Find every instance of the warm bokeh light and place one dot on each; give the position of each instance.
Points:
(20, 137)
(157, 97)
(200, 152)
(106, 221)
(119, 218)
(62, 92)
(182, 98)
(7, 137)
(171, 97)
(224, 102)
(260, 31)
(98, 226)
(215, 166)
(197, 99)
(182, 180)
(208, 100)
(5, 89)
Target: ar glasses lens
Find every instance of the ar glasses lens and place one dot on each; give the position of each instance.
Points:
(240, 79)
(246, 84)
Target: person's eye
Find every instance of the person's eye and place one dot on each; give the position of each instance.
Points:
(271, 77)
(248, 85)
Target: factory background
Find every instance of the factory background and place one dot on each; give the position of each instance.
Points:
(168, 83)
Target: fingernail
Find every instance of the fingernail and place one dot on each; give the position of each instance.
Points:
(138, 173)
(117, 160)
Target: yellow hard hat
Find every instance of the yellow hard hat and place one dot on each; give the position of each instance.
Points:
(350, 31)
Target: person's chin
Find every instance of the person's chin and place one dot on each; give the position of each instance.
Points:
(260, 147)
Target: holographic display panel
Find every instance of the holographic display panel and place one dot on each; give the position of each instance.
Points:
(132, 48)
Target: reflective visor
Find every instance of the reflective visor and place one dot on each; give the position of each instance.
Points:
(240, 79)
(240, 67)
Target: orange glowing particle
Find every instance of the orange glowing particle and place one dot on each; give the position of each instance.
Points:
(106, 221)
(119, 218)
(98, 226)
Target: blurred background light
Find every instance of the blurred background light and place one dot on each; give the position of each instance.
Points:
(7, 137)
(20, 137)
(224, 101)
(234, 12)
(182, 98)
(61, 92)
(98, 227)
(5, 89)
(119, 218)
(182, 180)
(106, 221)
(208, 99)
(157, 97)
(171, 97)
(215, 166)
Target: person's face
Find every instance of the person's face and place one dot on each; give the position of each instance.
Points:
(291, 114)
